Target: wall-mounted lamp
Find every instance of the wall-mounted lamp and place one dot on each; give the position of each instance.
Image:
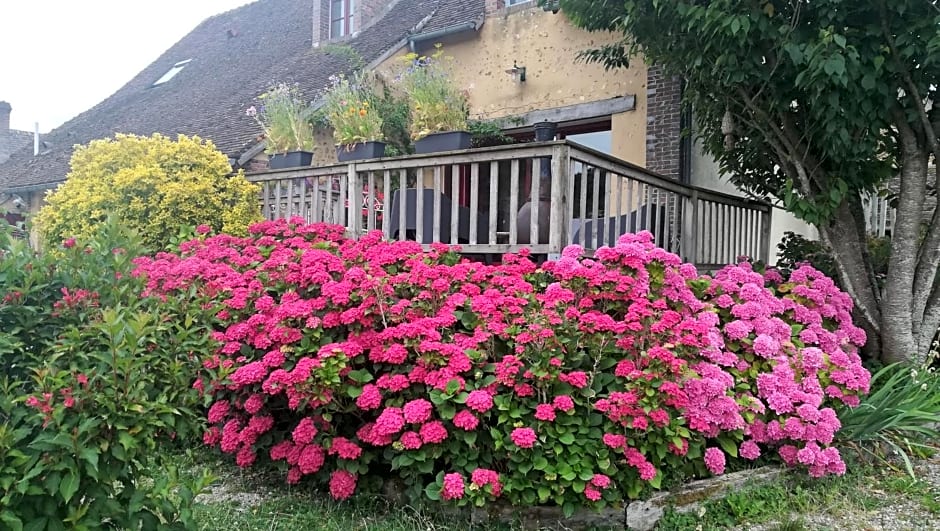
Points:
(517, 70)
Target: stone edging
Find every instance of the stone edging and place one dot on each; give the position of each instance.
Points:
(640, 515)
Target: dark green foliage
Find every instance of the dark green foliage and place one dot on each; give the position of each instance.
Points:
(487, 133)
(795, 249)
(95, 382)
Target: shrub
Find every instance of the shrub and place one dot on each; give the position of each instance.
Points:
(153, 184)
(95, 381)
(582, 382)
(901, 416)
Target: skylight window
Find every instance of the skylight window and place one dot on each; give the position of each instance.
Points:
(172, 72)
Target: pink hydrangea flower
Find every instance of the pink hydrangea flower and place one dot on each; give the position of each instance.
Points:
(453, 488)
(218, 411)
(577, 379)
(311, 459)
(345, 448)
(433, 432)
(304, 432)
(254, 403)
(480, 401)
(417, 411)
(614, 441)
(766, 346)
(466, 420)
(545, 412)
(749, 450)
(523, 437)
(390, 422)
(483, 476)
(591, 493)
(563, 403)
(411, 440)
(371, 398)
(600, 481)
(715, 461)
(342, 484)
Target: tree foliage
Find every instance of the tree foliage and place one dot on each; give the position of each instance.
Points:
(153, 185)
(814, 104)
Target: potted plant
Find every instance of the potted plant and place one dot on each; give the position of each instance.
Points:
(288, 132)
(438, 107)
(351, 110)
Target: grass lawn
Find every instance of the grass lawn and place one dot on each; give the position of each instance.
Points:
(242, 501)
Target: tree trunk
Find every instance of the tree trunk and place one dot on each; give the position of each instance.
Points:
(897, 310)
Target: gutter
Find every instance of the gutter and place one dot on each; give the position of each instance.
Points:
(443, 32)
(26, 188)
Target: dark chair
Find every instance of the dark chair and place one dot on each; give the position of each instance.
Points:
(411, 223)
(636, 221)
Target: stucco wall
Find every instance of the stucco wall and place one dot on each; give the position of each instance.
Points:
(705, 174)
(547, 45)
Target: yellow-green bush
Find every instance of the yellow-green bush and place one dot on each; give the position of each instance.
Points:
(152, 184)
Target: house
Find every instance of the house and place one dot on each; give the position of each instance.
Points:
(203, 84)
(11, 141)
(630, 118)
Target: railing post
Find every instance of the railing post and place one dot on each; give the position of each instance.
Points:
(559, 223)
(690, 229)
(354, 213)
(765, 221)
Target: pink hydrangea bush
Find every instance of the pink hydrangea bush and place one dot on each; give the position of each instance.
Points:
(580, 382)
(796, 341)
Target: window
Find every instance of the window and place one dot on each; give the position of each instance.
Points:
(171, 72)
(341, 17)
(516, 2)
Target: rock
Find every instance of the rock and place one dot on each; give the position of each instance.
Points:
(643, 515)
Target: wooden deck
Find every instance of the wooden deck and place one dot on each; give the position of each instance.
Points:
(479, 199)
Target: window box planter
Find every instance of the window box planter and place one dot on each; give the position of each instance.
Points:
(360, 151)
(446, 141)
(291, 159)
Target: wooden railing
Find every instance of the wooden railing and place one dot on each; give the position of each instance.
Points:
(480, 199)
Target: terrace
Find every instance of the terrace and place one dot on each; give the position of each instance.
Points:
(479, 199)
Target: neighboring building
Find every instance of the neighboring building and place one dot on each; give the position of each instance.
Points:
(11, 141)
(204, 83)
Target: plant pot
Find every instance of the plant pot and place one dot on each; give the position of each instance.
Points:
(360, 151)
(545, 131)
(291, 159)
(446, 141)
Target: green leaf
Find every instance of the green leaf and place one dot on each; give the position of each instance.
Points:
(360, 376)
(69, 486)
(433, 492)
(544, 493)
(39, 524)
(567, 438)
(730, 447)
(11, 521)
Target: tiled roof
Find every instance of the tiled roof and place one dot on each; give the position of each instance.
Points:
(235, 56)
(12, 141)
(451, 14)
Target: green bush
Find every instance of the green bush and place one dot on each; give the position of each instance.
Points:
(153, 184)
(95, 381)
(901, 416)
